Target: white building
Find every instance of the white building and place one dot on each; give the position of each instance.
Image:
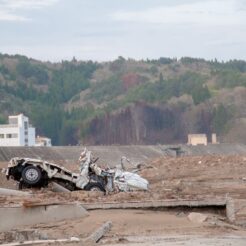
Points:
(18, 132)
(43, 141)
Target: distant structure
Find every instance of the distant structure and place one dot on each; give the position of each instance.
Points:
(196, 139)
(18, 132)
(201, 139)
(43, 141)
(214, 138)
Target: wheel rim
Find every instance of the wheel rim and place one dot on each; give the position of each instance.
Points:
(95, 189)
(31, 174)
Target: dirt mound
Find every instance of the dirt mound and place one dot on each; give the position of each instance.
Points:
(184, 177)
(4, 183)
(198, 175)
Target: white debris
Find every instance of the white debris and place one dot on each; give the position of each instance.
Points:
(197, 217)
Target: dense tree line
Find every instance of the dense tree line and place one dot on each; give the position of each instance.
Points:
(162, 90)
(42, 89)
(45, 107)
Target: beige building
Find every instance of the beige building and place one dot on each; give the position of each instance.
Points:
(196, 139)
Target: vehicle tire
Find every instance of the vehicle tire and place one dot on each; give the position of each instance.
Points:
(95, 186)
(31, 175)
(20, 185)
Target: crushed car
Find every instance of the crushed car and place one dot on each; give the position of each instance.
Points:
(38, 173)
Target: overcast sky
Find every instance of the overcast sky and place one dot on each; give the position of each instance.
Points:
(105, 29)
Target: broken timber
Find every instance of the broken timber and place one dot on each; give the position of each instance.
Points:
(31, 203)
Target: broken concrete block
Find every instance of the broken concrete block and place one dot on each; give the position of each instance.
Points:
(12, 217)
(99, 233)
(236, 211)
(197, 217)
(45, 242)
(10, 192)
(23, 235)
(58, 188)
(230, 210)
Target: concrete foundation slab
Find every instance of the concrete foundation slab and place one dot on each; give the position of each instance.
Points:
(156, 204)
(12, 217)
(10, 192)
(235, 208)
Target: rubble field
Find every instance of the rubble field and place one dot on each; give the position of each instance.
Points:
(189, 177)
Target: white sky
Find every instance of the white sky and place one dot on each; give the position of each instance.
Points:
(105, 29)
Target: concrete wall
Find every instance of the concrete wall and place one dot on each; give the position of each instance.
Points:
(112, 154)
(15, 136)
(31, 136)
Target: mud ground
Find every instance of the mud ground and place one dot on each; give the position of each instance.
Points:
(184, 177)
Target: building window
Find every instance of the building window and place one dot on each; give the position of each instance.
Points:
(12, 135)
(26, 133)
(26, 125)
(1, 135)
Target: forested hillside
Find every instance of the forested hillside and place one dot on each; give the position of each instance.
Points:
(126, 101)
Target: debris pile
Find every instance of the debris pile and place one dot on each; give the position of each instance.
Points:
(51, 214)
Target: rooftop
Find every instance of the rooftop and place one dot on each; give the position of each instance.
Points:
(9, 126)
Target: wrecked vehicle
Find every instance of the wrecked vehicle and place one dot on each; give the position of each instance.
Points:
(37, 173)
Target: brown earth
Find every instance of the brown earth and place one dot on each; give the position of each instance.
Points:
(184, 177)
